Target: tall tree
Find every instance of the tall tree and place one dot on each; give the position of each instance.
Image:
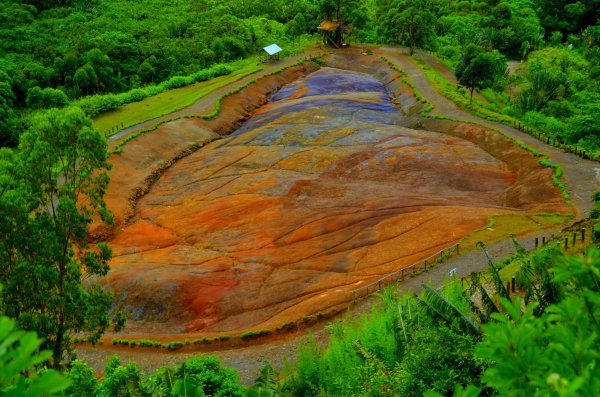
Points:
(480, 69)
(412, 23)
(50, 190)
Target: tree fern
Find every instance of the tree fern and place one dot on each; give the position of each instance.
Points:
(487, 307)
(498, 284)
(441, 308)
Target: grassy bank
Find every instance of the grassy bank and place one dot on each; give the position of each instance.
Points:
(169, 101)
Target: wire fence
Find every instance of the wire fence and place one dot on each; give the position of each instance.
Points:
(572, 237)
(401, 274)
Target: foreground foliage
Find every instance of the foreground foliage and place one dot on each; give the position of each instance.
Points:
(414, 345)
(18, 356)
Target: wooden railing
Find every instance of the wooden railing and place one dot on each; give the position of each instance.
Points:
(401, 274)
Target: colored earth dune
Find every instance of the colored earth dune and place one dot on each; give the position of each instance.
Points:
(323, 190)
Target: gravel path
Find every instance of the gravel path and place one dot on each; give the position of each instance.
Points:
(582, 178)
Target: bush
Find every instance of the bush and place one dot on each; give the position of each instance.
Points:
(46, 98)
(173, 345)
(254, 334)
(83, 381)
(175, 82)
(198, 376)
(118, 379)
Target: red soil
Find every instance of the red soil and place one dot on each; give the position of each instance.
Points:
(241, 235)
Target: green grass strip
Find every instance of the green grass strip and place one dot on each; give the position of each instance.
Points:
(165, 103)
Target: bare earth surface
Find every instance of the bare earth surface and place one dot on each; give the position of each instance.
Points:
(326, 188)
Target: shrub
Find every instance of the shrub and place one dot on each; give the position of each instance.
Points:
(173, 345)
(287, 326)
(83, 381)
(46, 98)
(254, 334)
(198, 376)
(175, 82)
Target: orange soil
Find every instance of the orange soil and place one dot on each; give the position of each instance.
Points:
(242, 235)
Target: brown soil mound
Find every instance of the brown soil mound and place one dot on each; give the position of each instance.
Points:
(323, 191)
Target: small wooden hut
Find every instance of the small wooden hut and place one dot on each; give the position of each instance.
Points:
(332, 33)
(334, 30)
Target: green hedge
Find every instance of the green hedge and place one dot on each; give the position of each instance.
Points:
(95, 104)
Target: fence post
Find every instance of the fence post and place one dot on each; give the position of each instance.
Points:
(536, 242)
(508, 287)
(457, 249)
(583, 235)
(513, 284)
(543, 240)
(574, 238)
(402, 274)
(425, 264)
(566, 242)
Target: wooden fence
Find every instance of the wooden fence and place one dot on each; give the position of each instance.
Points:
(401, 274)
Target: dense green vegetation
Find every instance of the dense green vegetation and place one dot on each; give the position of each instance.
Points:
(50, 188)
(476, 337)
(70, 49)
(56, 52)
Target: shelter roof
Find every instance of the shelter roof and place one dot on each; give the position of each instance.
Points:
(329, 25)
(272, 49)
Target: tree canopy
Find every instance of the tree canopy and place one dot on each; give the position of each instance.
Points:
(50, 190)
(480, 69)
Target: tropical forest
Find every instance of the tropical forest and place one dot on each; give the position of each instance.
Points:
(299, 198)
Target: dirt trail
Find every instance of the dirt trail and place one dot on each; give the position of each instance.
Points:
(581, 181)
